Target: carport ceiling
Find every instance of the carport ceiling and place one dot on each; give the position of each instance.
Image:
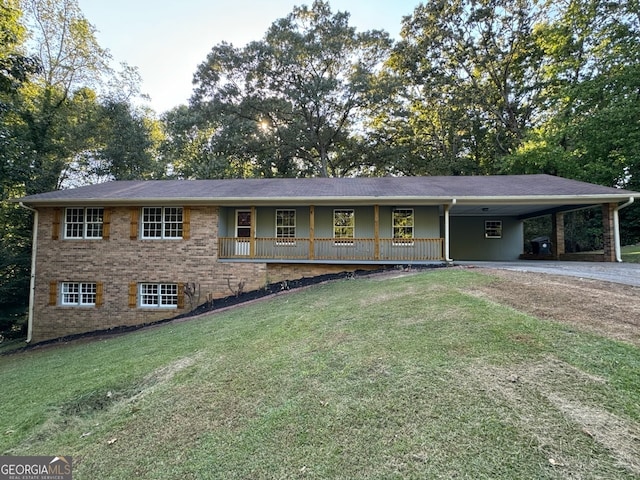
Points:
(514, 210)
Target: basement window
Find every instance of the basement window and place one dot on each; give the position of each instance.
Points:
(159, 295)
(79, 294)
(493, 229)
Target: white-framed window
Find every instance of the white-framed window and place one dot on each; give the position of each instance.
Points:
(158, 295)
(344, 226)
(493, 229)
(78, 294)
(162, 222)
(83, 222)
(285, 226)
(403, 223)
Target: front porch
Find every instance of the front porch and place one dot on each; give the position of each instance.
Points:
(379, 250)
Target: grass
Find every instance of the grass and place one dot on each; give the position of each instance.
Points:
(631, 254)
(411, 377)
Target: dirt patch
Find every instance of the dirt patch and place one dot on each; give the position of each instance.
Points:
(609, 309)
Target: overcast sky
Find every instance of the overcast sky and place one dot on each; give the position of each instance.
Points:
(168, 39)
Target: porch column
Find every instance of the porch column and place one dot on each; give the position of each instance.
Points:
(609, 231)
(557, 227)
(252, 239)
(376, 232)
(446, 208)
(312, 227)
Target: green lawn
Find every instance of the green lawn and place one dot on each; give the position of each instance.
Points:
(631, 254)
(418, 376)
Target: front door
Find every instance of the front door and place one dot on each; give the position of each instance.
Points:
(243, 232)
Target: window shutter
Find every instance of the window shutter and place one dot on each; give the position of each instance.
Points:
(135, 213)
(186, 223)
(106, 223)
(99, 294)
(55, 226)
(53, 293)
(133, 289)
(181, 295)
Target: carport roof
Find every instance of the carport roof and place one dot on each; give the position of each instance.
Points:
(521, 195)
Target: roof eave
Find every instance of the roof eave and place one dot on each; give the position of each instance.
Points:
(333, 200)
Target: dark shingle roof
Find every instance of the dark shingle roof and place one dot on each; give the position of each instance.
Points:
(325, 189)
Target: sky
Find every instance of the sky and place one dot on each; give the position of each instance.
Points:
(167, 40)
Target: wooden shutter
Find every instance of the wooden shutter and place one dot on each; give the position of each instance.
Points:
(181, 295)
(53, 293)
(186, 223)
(135, 213)
(106, 223)
(133, 292)
(55, 226)
(99, 294)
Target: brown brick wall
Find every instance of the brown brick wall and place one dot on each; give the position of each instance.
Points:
(119, 261)
(557, 226)
(608, 232)
(277, 272)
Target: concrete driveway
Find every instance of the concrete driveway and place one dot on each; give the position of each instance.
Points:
(625, 273)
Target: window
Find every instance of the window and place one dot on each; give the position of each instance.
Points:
(83, 222)
(285, 225)
(493, 229)
(159, 295)
(162, 222)
(79, 294)
(403, 222)
(344, 226)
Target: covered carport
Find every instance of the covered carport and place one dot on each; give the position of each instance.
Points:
(468, 216)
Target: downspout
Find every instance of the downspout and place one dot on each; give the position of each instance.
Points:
(447, 251)
(616, 228)
(32, 282)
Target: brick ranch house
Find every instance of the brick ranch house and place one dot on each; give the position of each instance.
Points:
(126, 252)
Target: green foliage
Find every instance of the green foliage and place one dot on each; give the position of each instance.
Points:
(292, 104)
(472, 69)
(588, 128)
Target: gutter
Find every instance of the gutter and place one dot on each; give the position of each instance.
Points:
(616, 227)
(447, 250)
(32, 281)
(331, 200)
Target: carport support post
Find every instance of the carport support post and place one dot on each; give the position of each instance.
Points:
(609, 231)
(557, 226)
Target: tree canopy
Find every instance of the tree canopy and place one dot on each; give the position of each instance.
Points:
(294, 103)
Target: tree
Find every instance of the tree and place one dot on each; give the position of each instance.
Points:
(49, 118)
(295, 102)
(589, 129)
(15, 240)
(472, 69)
(125, 145)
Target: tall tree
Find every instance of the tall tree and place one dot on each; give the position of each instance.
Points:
(590, 127)
(15, 239)
(295, 102)
(474, 71)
